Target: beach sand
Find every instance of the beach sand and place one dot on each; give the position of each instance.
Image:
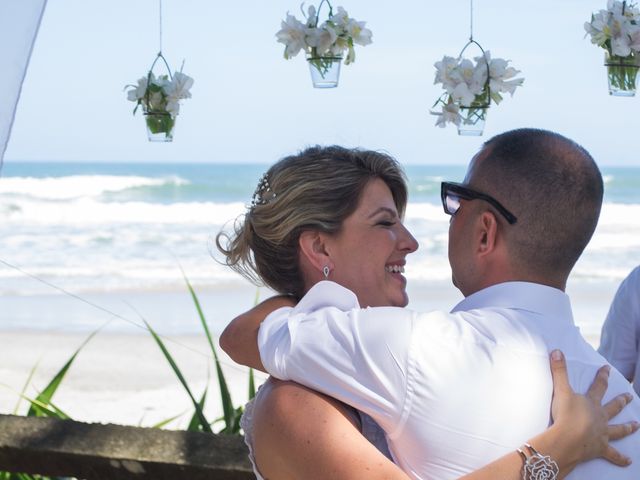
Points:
(117, 378)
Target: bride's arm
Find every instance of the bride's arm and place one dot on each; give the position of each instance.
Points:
(240, 338)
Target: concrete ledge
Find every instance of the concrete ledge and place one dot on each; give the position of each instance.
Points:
(49, 446)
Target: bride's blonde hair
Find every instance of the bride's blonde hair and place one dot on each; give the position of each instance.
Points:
(317, 189)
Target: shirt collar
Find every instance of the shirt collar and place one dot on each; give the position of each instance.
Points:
(547, 301)
(327, 294)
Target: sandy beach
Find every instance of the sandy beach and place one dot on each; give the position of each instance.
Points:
(117, 378)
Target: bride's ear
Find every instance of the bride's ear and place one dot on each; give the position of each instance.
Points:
(313, 249)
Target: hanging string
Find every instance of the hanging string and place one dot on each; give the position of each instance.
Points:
(160, 21)
(159, 56)
(484, 55)
(471, 20)
(120, 317)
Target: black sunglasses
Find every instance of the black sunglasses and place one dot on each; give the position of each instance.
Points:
(451, 193)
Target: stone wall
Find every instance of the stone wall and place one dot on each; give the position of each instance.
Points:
(54, 447)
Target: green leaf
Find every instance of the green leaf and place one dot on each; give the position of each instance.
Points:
(227, 404)
(167, 421)
(24, 388)
(47, 394)
(233, 428)
(252, 384)
(203, 421)
(194, 423)
(46, 409)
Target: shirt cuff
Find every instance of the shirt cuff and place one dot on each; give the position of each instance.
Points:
(274, 340)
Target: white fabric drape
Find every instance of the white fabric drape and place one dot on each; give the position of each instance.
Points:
(19, 23)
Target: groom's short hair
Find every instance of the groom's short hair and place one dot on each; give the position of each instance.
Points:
(554, 188)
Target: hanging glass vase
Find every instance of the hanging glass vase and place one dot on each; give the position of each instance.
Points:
(325, 71)
(472, 120)
(159, 121)
(622, 73)
(160, 126)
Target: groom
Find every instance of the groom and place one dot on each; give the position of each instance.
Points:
(452, 390)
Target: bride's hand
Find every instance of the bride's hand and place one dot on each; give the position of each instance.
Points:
(585, 418)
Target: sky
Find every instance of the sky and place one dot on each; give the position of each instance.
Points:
(250, 105)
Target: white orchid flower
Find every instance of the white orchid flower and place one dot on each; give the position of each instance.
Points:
(173, 107)
(470, 79)
(598, 36)
(444, 70)
(615, 7)
(292, 34)
(312, 17)
(338, 34)
(621, 46)
(179, 87)
(137, 93)
(340, 46)
(340, 19)
(358, 33)
(620, 40)
(321, 38)
(499, 78)
(614, 26)
(161, 81)
(450, 114)
(599, 27)
(503, 86)
(351, 55)
(478, 80)
(635, 39)
(463, 95)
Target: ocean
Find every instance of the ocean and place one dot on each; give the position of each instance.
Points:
(95, 230)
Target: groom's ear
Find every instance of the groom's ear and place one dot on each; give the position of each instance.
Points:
(487, 232)
(313, 249)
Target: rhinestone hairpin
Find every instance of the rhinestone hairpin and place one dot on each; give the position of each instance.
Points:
(263, 193)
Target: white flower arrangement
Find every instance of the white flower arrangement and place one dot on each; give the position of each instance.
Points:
(467, 86)
(160, 94)
(616, 29)
(330, 39)
(160, 99)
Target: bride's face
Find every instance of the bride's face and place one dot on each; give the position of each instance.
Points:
(368, 254)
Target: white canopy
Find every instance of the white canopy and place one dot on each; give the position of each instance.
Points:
(19, 23)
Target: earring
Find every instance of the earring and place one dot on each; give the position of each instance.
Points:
(325, 272)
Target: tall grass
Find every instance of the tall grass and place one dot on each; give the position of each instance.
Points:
(230, 415)
(42, 405)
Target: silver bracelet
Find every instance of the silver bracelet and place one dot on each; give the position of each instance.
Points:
(537, 466)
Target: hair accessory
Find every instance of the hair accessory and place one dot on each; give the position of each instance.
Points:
(536, 465)
(326, 271)
(263, 193)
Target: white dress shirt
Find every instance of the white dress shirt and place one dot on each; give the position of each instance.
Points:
(620, 340)
(452, 391)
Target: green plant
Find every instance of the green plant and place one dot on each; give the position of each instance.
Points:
(230, 415)
(42, 406)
